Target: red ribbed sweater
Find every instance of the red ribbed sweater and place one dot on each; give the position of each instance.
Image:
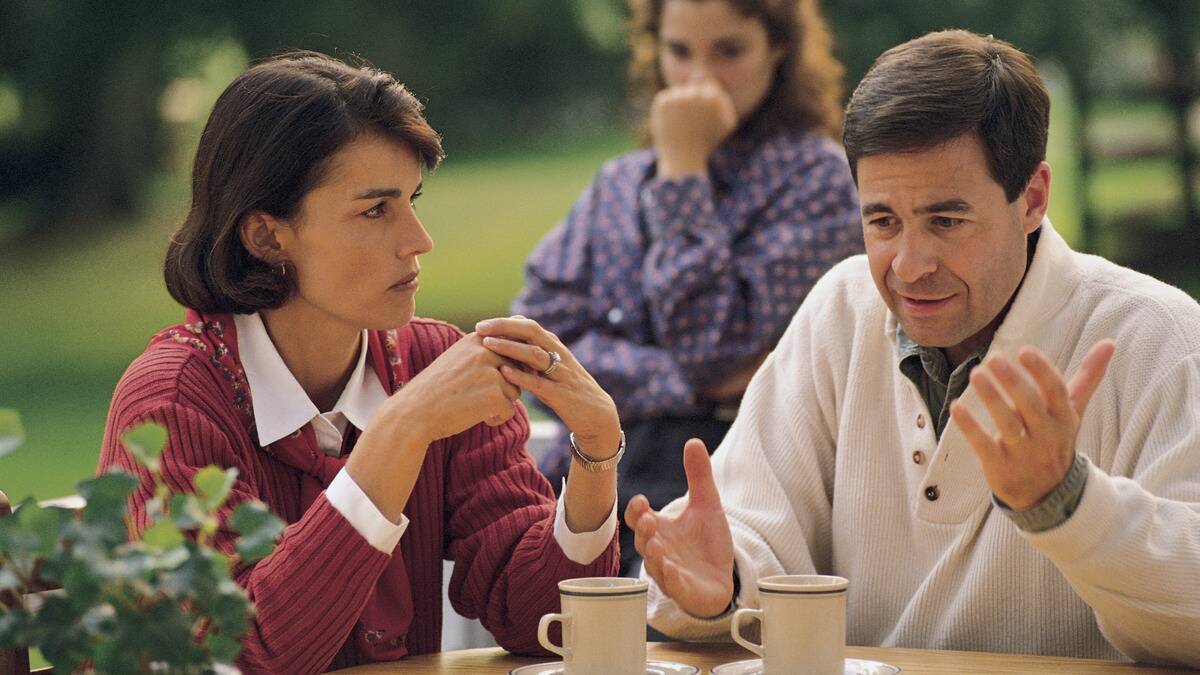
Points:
(478, 500)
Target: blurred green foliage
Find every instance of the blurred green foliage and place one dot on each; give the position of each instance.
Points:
(81, 83)
(92, 93)
(132, 606)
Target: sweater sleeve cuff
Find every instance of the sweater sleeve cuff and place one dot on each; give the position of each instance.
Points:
(355, 506)
(1055, 508)
(1098, 513)
(582, 547)
(666, 616)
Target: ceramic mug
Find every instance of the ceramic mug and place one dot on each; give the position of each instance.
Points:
(603, 626)
(803, 618)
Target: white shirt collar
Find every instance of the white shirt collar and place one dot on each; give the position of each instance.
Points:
(281, 406)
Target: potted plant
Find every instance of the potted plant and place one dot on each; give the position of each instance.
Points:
(163, 602)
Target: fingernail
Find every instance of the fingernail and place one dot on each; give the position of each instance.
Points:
(483, 325)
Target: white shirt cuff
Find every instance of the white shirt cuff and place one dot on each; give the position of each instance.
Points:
(348, 498)
(582, 547)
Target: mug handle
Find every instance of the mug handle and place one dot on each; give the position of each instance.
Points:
(735, 629)
(544, 633)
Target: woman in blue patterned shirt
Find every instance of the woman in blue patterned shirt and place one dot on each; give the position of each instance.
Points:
(679, 267)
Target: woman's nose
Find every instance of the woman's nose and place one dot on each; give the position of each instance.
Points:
(415, 239)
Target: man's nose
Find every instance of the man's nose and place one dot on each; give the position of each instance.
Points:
(915, 258)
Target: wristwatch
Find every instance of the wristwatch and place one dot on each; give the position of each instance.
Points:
(598, 465)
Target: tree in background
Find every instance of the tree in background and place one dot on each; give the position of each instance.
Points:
(81, 130)
(81, 83)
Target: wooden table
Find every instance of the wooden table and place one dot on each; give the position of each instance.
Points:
(910, 661)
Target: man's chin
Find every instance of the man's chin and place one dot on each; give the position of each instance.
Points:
(928, 336)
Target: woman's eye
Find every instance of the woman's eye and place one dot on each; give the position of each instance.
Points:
(676, 50)
(729, 53)
(376, 211)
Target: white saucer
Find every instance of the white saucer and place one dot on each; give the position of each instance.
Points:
(652, 668)
(853, 667)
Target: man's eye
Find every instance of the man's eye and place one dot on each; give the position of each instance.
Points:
(946, 223)
(413, 201)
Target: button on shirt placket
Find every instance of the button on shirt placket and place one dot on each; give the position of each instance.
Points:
(922, 433)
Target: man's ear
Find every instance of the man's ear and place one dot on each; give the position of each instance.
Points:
(1036, 198)
(259, 233)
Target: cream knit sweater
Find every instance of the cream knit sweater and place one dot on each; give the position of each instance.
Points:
(817, 475)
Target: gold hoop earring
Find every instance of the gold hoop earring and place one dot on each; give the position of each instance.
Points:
(283, 270)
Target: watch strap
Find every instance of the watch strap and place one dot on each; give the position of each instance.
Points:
(598, 465)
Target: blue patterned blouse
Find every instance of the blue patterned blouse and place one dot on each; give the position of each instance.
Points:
(662, 286)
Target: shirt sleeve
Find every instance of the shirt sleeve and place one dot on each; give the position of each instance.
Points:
(348, 498)
(558, 273)
(1055, 508)
(582, 547)
(1132, 547)
(643, 379)
(722, 282)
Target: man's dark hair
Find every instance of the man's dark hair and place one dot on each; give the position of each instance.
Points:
(930, 90)
(267, 144)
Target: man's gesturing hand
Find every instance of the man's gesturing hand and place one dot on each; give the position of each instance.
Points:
(1037, 416)
(690, 554)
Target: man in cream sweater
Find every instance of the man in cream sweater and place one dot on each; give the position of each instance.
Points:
(995, 438)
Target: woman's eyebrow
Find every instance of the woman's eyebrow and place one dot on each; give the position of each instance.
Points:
(375, 193)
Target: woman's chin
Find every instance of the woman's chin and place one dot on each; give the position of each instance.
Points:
(396, 315)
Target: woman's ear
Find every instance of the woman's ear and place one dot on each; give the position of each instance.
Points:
(259, 234)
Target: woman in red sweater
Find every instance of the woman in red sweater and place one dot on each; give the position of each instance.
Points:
(298, 262)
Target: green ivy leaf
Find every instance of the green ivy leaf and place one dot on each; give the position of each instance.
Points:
(223, 648)
(107, 504)
(9, 580)
(11, 433)
(132, 606)
(146, 443)
(42, 527)
(14, 628)
(163, 534)
(113, 657)
(213, 485)
(187, 512)
(258, 528)
(80, 585)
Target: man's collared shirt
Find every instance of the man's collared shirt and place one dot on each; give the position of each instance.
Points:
(939, 386)
(930, 371)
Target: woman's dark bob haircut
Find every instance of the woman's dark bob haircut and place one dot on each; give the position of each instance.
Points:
(268, 143)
